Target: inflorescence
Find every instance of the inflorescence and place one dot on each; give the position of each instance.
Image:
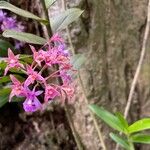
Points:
(50, 62)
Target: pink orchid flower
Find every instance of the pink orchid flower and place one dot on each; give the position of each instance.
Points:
(69, 90)
(12, 61)
(32, 104)
(66, 77)
(38, 56)
(17, 88)
(62, 60)
(52, 53)
(56, 38)
(51, 58)
(50, 93)
(32, 76)
(62, 50)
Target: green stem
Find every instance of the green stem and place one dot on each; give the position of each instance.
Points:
(130, 143)
(49, 30)
(68, 114)
(82, 87)
(131, 146)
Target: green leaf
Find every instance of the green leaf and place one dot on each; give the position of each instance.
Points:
(17, 99)
(18, 11)
(65, 18)
(25, 37)
(4, 45)
(77, 60)
(4, 96)
(26, 58)
(139, 125)
(2, 65)
(49, 3)
(122, 142)
(107, 117)
(122, 120)
(4, 79)
(141, 138)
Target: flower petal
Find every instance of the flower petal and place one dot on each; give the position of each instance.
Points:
(37, 93)
(30, 105)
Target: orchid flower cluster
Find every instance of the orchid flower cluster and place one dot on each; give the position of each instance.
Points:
(7, 22)
(45, 60)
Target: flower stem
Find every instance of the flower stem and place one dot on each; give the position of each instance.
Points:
(52, 74)
(83, 89)
(68, 114)
(42, 69)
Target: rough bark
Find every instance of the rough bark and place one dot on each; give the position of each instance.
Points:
(110, 34)
(114, 36)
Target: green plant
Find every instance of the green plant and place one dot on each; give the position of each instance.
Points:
(130, 133)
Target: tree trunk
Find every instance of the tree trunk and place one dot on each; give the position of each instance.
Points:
(110, 34)
(114, 33)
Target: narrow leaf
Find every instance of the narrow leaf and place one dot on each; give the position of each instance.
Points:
(107, 117)
(2, 65)
(139, 125)
(141, 138)
(4, 45)
(18, 11)
(122, 120)
(26, 58)
(17, 99)
(77, 60)
(122, 142)
(49, 3)
(25, 37)
(4, 79)
(4, 96)
(65, 18)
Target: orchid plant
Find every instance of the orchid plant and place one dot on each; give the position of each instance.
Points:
(50, 54)
(47, 65)
(40, 78)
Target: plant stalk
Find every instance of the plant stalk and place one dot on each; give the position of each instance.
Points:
(131, 146)
(68, 114)
(48, 26)
(76, 137)
(130, 143)
(82, 86)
